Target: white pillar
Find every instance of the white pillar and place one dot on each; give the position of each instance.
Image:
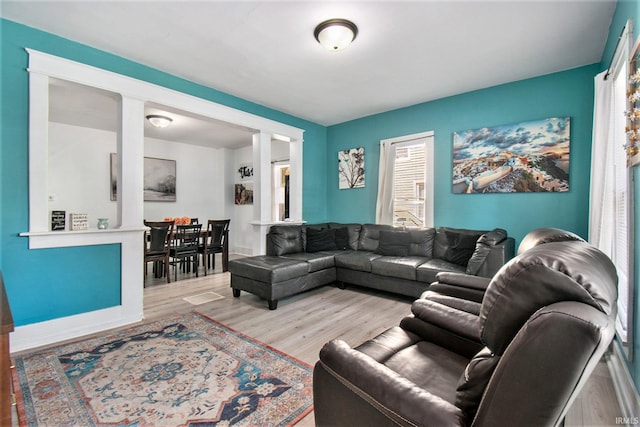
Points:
(295, 180)
(38, 152)
(261, 190)
(131, 202)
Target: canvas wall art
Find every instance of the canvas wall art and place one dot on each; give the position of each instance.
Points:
(159, 179)
(244, 194)
(351, 168)
(524, 157)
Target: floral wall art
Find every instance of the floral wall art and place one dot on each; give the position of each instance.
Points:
(520, 158)
(351, 168)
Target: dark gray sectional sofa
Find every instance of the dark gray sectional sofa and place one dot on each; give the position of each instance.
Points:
(303, 257)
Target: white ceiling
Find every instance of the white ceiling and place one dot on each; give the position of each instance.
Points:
(405, 52)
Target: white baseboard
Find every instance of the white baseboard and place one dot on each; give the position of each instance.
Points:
(65, 328)
(623, 384)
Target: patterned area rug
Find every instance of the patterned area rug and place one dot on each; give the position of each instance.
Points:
(183, 371)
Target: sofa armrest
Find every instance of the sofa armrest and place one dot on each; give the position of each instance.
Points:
(498, 255)
(383, 395)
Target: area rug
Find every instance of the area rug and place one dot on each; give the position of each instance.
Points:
(187, 370)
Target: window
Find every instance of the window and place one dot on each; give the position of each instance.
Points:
(408, 183)
(405, 187)
(621, 189)
(611, 203)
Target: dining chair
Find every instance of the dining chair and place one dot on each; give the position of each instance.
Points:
(184, 248)
(215, 241)
(156, 247)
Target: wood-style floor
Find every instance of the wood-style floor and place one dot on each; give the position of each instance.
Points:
(303, 323)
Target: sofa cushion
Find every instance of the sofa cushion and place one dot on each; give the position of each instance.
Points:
(403, 267)
(356, 260)
(317, 261)
(427, 271)
(369, 236)
(321, 240)
(422, 242)
(441, 242)
(461, 247)
(354, 233)
(342, 238)
(268, 269)
(394, 243)
(286, 239)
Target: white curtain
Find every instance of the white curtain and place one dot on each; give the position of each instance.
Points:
(384, 204)
(601, 202)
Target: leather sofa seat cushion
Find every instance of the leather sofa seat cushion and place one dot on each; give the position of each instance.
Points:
(269, 269)
(427, 271)
(400, 267)
(356, 260)
(423, 363)
(317, 261)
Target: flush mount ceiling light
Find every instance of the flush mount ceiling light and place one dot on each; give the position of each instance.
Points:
(159, 121)
(335, 34)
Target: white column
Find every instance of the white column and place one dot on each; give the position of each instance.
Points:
(131, 163)
(261, 190)
(38, 152)
(131, 203)
(295, 180)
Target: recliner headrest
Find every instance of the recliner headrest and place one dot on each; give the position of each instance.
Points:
(543, 275)
(541, 236)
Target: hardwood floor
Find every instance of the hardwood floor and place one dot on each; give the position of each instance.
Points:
(303, 323)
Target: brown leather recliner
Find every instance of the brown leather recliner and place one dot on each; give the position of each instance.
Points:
(545, 321)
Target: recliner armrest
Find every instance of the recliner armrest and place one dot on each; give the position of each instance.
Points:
(461, 285)
(464, 280)
(380, 387)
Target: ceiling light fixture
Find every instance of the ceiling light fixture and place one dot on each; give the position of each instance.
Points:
(335, 34)
(159, 121)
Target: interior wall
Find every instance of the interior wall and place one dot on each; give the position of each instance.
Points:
(568, 93)
(47, 284)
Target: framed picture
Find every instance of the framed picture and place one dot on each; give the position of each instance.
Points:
(520, 158)
(351, 168)
(159, 179)
(244, 194)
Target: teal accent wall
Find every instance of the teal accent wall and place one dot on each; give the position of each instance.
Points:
(47, 284)
(568, 93)
(625, 10)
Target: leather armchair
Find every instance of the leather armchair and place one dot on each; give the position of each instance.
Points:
(545, 321)
(472, 287)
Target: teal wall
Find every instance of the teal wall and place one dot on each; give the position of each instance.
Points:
(568, 93)
(46, 284)
(629, 9)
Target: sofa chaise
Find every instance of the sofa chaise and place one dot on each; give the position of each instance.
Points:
(303, 257)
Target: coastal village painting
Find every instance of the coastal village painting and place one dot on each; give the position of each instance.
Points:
(524, 157)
